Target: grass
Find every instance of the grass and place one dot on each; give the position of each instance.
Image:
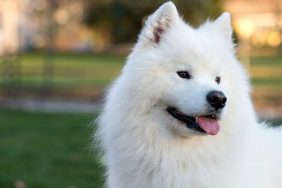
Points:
(267, 81)
(47, 150)
(269, 61)
(68, 69)
(266, 70)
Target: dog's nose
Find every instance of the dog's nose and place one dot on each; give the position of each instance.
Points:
(216, 99)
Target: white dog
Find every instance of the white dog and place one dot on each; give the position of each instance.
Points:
(180, 114)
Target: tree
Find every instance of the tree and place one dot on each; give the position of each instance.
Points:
(124, 17)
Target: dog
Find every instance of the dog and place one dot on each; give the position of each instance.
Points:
(180, 114)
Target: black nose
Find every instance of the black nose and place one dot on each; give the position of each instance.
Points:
(216, 99)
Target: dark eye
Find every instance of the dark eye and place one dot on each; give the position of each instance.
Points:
(217, 79)
(184, 74)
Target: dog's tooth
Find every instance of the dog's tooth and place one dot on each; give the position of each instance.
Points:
(196, 119)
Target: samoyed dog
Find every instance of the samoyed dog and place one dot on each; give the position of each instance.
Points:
(180, 114)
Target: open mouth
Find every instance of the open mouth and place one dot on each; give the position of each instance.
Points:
(207, 123)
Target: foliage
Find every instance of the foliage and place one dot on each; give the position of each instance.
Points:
(125, 16)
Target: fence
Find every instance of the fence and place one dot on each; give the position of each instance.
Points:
(67, 76)
(84, 76)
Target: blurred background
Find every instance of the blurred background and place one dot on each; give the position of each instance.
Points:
(58, 56)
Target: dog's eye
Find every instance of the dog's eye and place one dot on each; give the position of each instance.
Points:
(217, 79)
(184, 74)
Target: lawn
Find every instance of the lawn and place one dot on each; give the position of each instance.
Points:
(66, 69)
(269, 61)
(47, 151)
(266, 70)
(70, 76)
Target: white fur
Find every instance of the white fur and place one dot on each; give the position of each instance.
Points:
(146, 147)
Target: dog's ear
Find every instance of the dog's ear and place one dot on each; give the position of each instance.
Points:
(223, 22)
(158, 23)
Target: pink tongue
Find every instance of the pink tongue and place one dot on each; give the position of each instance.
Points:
(209, 125)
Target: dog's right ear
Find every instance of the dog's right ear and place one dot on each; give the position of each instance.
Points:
(157, 24)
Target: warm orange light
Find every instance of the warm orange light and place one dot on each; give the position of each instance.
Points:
(274, 39)
(259, 39)
(61, 16)
(244, 27)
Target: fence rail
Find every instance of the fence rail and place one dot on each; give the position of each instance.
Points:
(85, 76)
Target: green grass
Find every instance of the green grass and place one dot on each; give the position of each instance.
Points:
(47, 150)
(68, 69)
(273, 64)
(267, 81)
(269, 61)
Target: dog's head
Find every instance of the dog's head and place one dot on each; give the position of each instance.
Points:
(191, 76)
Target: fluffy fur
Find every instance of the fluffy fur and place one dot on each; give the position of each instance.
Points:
(144, 146)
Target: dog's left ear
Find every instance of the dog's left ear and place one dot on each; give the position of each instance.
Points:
(223, 23)
(157, 24)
